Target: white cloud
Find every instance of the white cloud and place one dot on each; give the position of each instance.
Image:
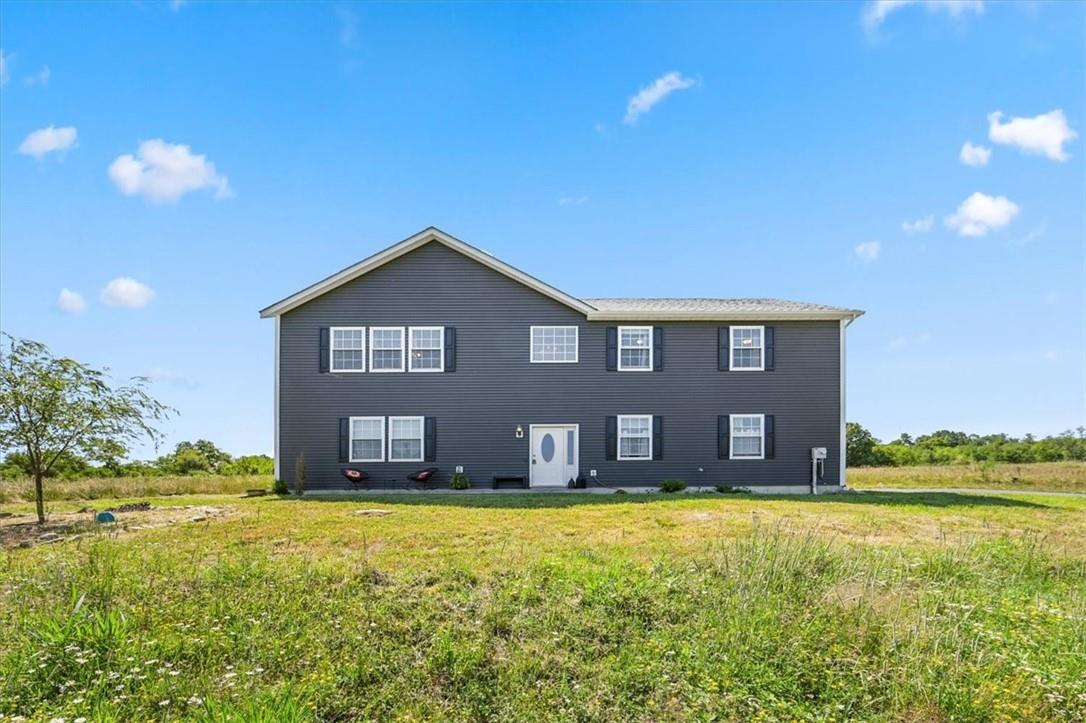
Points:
(128, 292)
(176, 5)
(901, 342)
(972, 155)
(48, 140)
(653, 93)
(3, 68)
(920, 225)
(71, 302)
(572, 200)
(980, 213)
(39, 78)
(877, 11)
(164, 171)
(171, 378)
(1042, 135)
(348, 27)
(868, 251)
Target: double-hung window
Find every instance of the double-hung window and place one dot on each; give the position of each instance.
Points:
(405, 439)
(386, 349)
(427, 348)
(635, 436)
(554, 344)
(635, 348)
(748, 348)
(367, 439)
(748, 436)
(348, 348)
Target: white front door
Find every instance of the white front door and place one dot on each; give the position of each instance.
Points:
(554, 454)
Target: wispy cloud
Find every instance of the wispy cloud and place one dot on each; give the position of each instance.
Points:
(348, 27)
(176, 5)
(876, 11)
(127, 292)
(162, 171)
(868, 251)
(39, 78)
(1034, 235)
(1042, 135)
(903, 342)
(653, 93)
(572, 200)
(972, 155)
(71, 302)
(48, 140)
(171, 378)
(981, 213)
(920, 225)
(4, 59)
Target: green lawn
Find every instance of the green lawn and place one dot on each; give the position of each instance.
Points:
(578, 607)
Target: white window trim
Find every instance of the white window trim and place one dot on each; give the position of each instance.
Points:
(411, 347)
(422, 439)
(403, 348)
(619, 360)
(731, 437)
(351, 438)
(332, 349)
(618, 438)
(731, 350)
(576, 345)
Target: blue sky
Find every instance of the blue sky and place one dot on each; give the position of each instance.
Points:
(611, 150)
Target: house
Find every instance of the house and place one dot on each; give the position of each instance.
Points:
(433, 353)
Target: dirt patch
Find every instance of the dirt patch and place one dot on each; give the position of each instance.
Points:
(24, 531)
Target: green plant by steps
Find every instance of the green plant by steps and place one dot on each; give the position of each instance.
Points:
(460, 481)
(672, 485)
(280, 487)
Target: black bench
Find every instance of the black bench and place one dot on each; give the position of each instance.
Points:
(510, 482)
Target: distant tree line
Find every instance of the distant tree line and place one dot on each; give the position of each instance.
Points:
(948, 447)
(188, 458)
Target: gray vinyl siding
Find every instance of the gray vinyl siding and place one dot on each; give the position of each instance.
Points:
(495, 387)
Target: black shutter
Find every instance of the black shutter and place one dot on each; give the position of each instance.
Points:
(450, 348)
(611, 438)
(767, 336)
(723, 348)
(429, 441)
(657, 349)
(344, 439)
(723, 436)
(325, 350)
(612, 348)
(657, 437)
(770, 436)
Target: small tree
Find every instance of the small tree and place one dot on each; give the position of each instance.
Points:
(860, 444)
(51, 407)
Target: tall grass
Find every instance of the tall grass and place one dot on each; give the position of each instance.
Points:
(22, 490)
(775, 624)
(1044, 476)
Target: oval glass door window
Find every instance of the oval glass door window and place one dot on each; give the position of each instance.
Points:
(546, 447)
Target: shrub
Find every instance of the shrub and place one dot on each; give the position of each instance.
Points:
(729, 490)
(279, 487)
(672, 485)
(460, 481)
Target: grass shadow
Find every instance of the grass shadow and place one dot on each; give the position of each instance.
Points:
(575, 499)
